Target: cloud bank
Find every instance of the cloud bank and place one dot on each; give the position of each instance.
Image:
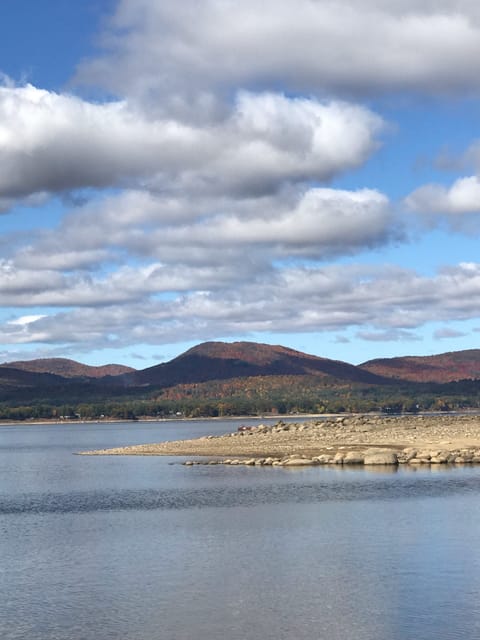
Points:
(388, 304)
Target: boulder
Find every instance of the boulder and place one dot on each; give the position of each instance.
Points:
(324, 459)
(354, 457)
(298, 462)
(380, 456)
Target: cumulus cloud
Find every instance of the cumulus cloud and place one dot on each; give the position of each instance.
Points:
(320, 223)
(186, 57)
(53, 142)
(462, 197)
(211, 239)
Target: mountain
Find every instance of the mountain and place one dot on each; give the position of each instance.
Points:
(225, 361)
(239, 378)
(222, 361)
(66, 368)
(442, 368)
(13, 379)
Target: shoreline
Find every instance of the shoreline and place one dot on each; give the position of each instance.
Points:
(353, 439)
(55, 421)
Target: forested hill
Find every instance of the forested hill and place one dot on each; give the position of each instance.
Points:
(67, 368)
(216, 378)
(445, 367)
(223, 361)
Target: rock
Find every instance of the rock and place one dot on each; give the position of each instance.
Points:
(425, 455)
(380, 456)
(298, 462)
(409, 453)
(354, 457)
(338, 458)
(441, 457)
(324, 459)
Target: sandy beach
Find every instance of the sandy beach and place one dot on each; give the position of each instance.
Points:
(342, 440)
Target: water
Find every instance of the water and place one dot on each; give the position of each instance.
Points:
(138, 548)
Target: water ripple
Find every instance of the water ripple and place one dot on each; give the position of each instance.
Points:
(231, 496)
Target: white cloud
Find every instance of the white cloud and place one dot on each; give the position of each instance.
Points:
(183, 57)
(219, 150)
(462, 197)
(207, 239)
(323, 222)
(383, 304)
(52, 142)
(23, 320)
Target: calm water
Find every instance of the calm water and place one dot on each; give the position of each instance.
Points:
(140, 549)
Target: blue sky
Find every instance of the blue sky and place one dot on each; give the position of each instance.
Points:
(300, 173)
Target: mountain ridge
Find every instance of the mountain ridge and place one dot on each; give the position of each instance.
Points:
(216, 360)
(220, 360)
(450, 366)
(67, 368)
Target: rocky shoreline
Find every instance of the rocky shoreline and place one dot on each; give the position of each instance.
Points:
(350, 440)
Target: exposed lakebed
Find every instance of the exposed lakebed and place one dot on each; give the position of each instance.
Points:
(352, 440)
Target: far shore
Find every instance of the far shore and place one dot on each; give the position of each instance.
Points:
(174, 418)
(354, 439)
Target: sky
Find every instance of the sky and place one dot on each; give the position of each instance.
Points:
(295, 172)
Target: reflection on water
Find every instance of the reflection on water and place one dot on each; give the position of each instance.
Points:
(140, 549)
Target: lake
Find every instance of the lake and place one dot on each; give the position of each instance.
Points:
(143, 548)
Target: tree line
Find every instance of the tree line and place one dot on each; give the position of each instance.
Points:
(214, 399)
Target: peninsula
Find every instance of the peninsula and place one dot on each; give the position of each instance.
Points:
(365, 440)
